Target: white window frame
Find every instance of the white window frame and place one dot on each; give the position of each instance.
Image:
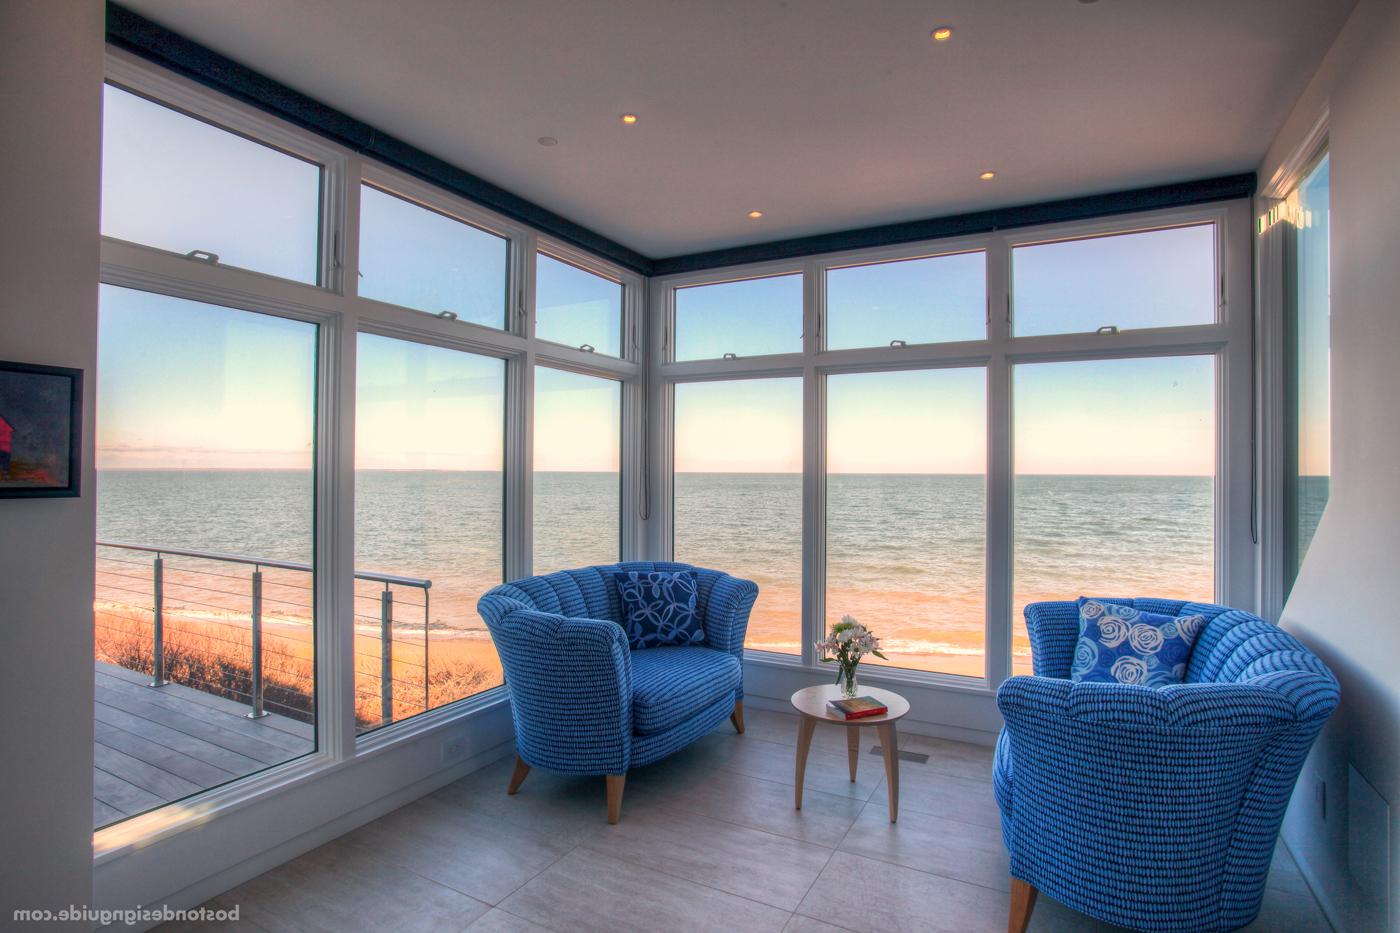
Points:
(335, 306)
(1227, 339)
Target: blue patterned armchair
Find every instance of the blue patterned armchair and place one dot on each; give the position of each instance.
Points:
(583, 702)
(1155, 809)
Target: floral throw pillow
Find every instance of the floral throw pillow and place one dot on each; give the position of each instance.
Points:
(660, 608)
(1122, 645)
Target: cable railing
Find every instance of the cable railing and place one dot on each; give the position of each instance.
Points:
(265, 600)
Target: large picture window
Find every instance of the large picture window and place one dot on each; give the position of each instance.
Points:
(205, 558)
(578, 437)
(738, 495)
(429, 525)
(906, 456)
(1307, 364)
(1115, 482)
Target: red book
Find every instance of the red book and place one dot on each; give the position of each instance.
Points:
(858, 708)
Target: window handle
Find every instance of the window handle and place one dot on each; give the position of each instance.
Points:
(1107, 329)
(203, 255)
(447, 315)
(730, 356)
(899, 343)
(586, 347)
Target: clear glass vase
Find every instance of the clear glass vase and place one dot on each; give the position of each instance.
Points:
(848, 683)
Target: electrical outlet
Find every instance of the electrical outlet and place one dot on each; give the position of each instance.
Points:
(1320, 791)
(452, 749)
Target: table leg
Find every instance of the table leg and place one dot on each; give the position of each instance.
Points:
(806, 725)
(853, 749)
(889, 745)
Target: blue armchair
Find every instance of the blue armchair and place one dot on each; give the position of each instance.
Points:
(582, 702)
(1155, 809)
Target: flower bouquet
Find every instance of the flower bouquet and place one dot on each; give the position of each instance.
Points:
(846, 643)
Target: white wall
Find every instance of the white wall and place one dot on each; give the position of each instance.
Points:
(1346, 603)
(51, 111)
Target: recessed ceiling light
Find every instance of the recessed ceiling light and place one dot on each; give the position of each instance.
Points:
(987, 176)
(629, 118)
(548, 141)
(943, 34)
(754, 215)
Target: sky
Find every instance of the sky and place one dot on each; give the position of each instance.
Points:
(189, 385)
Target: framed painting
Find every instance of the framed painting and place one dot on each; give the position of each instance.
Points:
(41, 430)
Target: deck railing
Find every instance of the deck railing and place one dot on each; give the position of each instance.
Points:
(121, 581)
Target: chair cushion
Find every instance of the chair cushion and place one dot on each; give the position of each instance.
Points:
(659, 608)
(669, 685)
(1122, 645)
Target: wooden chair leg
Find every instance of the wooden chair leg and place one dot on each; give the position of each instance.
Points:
(852, 749)
(1022, 903)
(516, 779)
(615, 783)
(737, 717)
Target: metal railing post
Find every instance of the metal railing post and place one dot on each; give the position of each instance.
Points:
(427, 684)
(386, 655)
(158, 636)
(256, 661)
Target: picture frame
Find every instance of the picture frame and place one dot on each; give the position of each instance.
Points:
(41, 431)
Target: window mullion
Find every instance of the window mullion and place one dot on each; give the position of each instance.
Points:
(1000, 487)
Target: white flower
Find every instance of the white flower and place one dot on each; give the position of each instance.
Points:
(1086, 654)
(1145, 639)
(1129, 670)
(1112, 632)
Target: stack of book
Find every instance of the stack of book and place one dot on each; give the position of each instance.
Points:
(858, 708)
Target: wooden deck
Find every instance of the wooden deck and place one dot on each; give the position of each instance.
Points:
(156, 745)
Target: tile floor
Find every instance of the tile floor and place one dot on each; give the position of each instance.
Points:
(708, 841)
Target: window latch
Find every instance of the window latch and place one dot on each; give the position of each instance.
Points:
(1107, 329)
(203, 255)
(586, 347)
(899, 343)
(447, 315)
(730, 356)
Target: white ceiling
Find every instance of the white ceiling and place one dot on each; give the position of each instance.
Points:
(824, 114)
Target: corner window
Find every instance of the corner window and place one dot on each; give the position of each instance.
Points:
(1127, 281)
(930, 300)
(751, 317)
(576, 307)
(427, 261)
(180, 184)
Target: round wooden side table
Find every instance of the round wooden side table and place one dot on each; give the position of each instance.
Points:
(810, 703)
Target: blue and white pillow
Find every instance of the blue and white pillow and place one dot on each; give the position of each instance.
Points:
(1122, 645)
(660, 608)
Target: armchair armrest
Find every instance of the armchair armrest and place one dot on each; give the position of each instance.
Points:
(1053, 628)
(727, 613)
(570, 684)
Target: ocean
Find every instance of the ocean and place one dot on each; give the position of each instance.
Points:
(905, 553)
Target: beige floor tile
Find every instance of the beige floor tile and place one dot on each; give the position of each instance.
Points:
(954, 849)
(940, 794)
(496, 920)
(877, 897)
(587, 892)
(437, 839)
(826, 771)
(748, 862)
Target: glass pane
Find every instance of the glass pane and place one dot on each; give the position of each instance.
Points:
(931, 300)
(906, 503)
(574, 307)
(421, 259)
(1309, 349)
(206, 443)
(738, 495)
(429, 505)
(1158, 278)
(1115, 482)
(177, 183)
(749, 318)
(578, 481)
